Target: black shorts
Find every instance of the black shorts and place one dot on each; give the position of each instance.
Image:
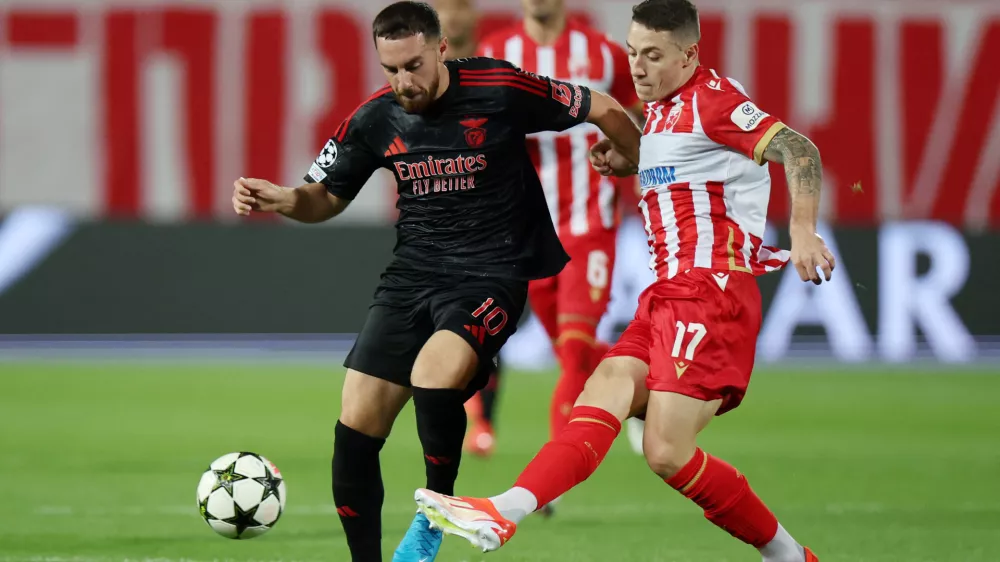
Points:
(411, 305)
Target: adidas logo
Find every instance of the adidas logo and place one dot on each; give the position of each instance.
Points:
(478, 332)
(346, 511)
(397, 147)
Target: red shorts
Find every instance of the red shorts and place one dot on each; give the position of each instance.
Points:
(698, 334)
(583, 287)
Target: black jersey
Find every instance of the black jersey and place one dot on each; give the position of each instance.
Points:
(470, 201)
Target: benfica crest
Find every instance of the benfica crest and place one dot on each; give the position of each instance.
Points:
(475, 134)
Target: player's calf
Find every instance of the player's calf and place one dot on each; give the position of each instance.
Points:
(576, 349)
(369, 407)
(673, 422)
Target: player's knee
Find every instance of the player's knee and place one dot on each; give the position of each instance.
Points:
(365, 417)
(369, 404)
(439, 376)
(666, 458)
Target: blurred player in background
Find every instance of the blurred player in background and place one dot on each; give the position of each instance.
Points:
(582, 203)
(459, 22)
(688, 354)
(472, 231)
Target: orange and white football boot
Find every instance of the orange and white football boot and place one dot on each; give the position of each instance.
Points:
(474, 519)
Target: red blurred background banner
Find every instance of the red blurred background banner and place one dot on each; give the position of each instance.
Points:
(151, 112)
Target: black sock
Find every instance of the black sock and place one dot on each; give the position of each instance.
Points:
(488, 396)
(441, 427)
(358, 491)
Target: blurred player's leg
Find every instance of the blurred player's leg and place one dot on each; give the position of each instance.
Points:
(543, 297)
(480, 410)
(672, 424)
(583, 293)
(635, 428)
(369, 407)
(479, 436)
(577, 349)
(570, 343)
(489, 395)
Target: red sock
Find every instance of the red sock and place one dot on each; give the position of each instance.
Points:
(474, 408)
(575, 358)
(571, 457)
(727, 499)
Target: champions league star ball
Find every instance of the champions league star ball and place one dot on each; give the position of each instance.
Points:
(241, 495)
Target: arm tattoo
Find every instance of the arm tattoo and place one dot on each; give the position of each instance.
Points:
(800, 156)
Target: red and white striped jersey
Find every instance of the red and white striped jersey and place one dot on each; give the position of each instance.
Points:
(705, 186)
(579, 199)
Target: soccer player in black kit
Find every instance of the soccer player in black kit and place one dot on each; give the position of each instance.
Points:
(473, 228)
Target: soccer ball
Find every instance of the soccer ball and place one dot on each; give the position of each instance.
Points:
(241, 495)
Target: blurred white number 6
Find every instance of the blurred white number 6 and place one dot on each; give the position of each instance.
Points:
(597, 269)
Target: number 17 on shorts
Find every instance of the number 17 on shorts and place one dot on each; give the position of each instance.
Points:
(693, 333)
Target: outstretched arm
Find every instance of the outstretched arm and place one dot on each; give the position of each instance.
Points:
(616, 124)
(804, 171)
(313, 203)
(310, 203)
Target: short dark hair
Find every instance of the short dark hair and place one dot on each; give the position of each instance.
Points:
(405, 19)
(679, 16)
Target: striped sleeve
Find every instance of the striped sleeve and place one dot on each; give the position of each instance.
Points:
(538, 103)
(731, 119)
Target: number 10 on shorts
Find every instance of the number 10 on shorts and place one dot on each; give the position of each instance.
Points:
(683, 330)
(495, 320)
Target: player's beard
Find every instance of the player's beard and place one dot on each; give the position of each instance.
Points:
(416, 100)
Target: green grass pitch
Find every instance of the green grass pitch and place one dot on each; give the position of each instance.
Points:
(99, 463)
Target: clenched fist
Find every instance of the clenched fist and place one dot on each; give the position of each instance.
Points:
(608, 162)
(258, 195)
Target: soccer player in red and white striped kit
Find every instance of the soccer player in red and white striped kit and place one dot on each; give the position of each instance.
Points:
(688, 354)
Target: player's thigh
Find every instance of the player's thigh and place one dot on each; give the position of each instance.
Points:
(445, 361)
(482, 314)
(543, 298)
(390, 340)
(370, 405)
(585, 283)
(618, 384)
